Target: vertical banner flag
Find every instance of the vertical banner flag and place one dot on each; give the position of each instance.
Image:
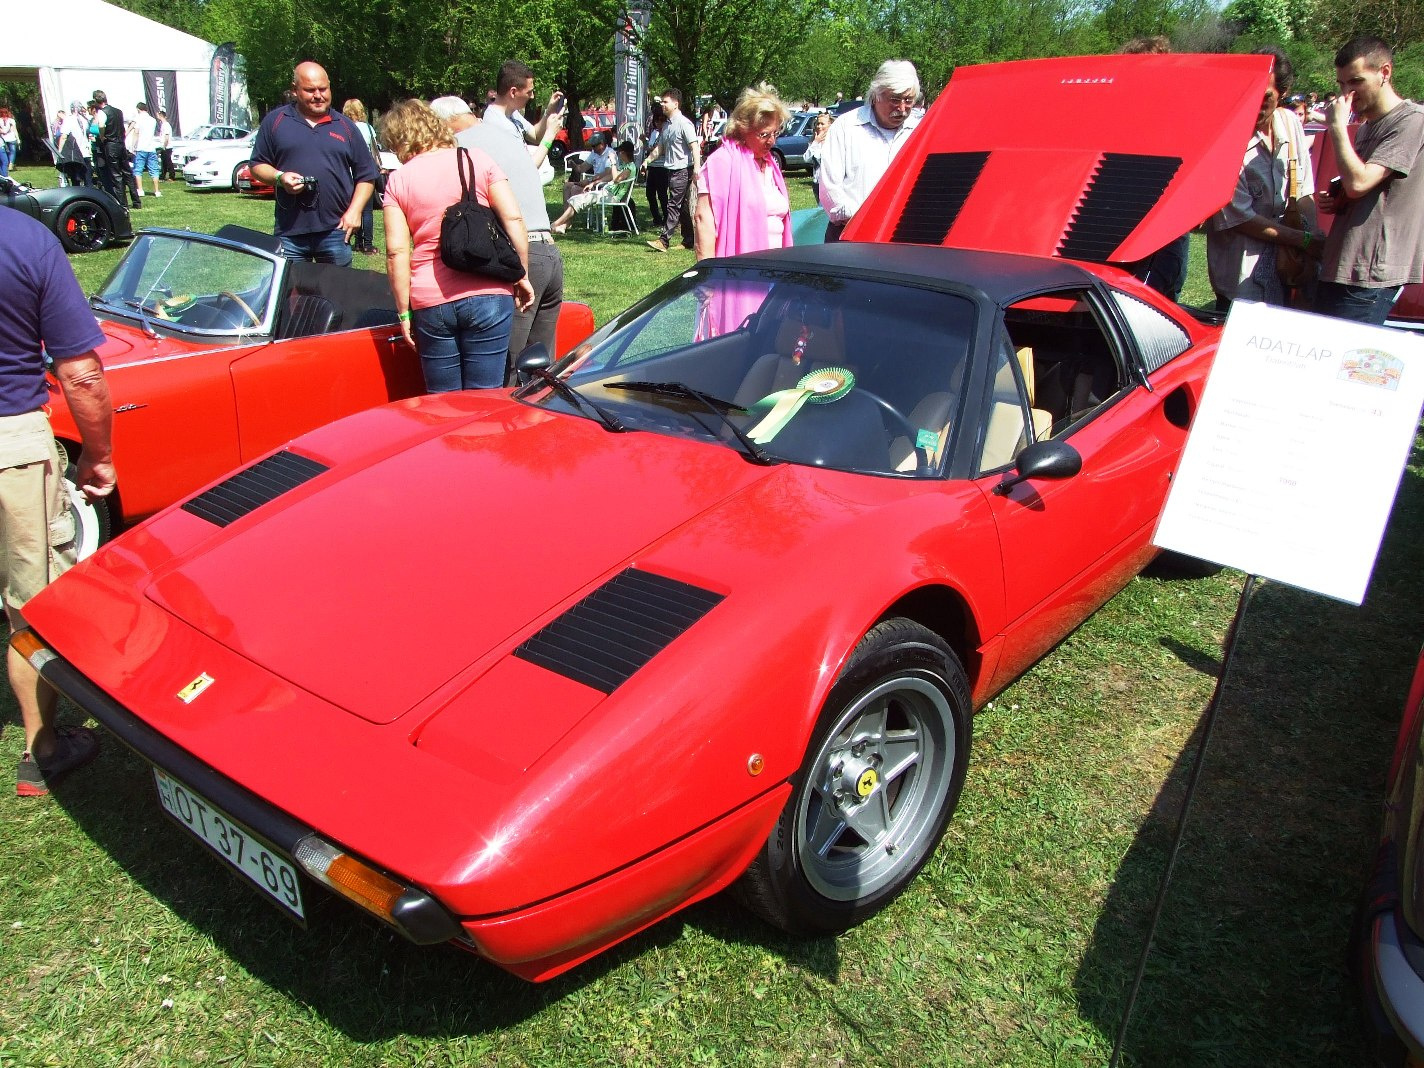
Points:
(160, 90)
(630, 72)
(220, 83)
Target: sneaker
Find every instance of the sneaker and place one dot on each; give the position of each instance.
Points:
(658, 246)
(140, 192)
(156, 193)
(73, 748)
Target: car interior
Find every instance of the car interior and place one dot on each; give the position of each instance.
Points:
(905, 354)
(1056, 366)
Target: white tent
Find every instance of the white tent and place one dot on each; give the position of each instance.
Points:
(74, 47)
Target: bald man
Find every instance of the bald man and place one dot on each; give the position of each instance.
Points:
(307, 140)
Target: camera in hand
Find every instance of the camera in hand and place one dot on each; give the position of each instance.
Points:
(308, 183)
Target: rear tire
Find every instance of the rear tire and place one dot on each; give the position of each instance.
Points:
(879, 783)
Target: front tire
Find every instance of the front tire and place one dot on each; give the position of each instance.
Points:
(83, 226)
(879, 783)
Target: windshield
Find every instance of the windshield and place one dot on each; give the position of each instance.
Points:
(193, 286)
(807, 368)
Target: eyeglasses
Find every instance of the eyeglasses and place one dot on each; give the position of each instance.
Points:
(766, 137)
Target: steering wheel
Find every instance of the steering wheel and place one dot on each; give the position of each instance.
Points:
(899, 423)
(230, 295)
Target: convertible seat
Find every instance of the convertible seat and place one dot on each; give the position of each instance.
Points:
(779, 369)
(1005, 435)
(361, 298)
(307, 314)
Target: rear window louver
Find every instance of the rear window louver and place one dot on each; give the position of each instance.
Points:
(248, 490)
(940, 189)
(619, 627)
(1119, 196)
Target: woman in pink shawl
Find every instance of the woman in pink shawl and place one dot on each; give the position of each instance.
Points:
(742, 204)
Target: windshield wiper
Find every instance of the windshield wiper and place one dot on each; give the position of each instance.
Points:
(563, 389)
(716, 405)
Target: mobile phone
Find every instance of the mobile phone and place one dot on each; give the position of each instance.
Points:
(1337, 187)
(558, 106)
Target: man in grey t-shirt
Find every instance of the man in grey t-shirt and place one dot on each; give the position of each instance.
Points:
(546, 267)
(1377, 244)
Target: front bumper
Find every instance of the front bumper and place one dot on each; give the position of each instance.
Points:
(417, 915)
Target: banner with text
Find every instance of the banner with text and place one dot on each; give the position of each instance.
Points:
(630, 73)
(160, 91)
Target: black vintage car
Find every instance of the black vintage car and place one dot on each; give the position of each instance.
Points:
(84, 219)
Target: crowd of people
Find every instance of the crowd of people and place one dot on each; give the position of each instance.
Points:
(466, 327)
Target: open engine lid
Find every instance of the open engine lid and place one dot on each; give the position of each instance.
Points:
(1078, 157)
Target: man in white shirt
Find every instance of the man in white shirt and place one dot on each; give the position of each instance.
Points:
(682, 155)
(861, 144)
(145, 149)
(165, 147)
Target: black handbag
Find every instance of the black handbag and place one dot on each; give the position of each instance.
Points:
(472, 239)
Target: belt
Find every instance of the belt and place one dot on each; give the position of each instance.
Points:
(543, 236)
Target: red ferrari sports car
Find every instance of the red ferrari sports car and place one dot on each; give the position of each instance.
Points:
(244, 181)
(815, 507)
(218, 350)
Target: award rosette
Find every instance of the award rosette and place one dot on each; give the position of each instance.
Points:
(819, 387)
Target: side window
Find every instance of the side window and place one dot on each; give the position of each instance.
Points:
(1073, 368)
(1159, 339)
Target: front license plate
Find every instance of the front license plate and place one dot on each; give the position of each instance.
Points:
(268, 870)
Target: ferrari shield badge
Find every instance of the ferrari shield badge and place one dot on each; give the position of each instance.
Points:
(190, 692)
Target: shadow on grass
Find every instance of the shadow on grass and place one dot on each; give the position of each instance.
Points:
(1249, 966)
(362, 978)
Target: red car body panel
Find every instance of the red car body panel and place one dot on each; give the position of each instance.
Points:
(1041, 164)
(361, 629)
(187, 412)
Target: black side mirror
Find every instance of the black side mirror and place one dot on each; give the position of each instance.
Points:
(1043, 459)
(534, 357)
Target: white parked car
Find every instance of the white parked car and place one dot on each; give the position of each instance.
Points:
(215, 167)
(201, 139)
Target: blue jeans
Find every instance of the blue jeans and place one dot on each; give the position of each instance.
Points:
(319, 248)
(1359, 304)
(7, 158)
(462, 343)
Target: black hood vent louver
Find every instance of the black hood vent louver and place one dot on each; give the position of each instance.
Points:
(616, 629)
(249, 489)
(939, 192)
(1119, 196)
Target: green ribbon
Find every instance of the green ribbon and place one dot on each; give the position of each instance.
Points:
(819, 387)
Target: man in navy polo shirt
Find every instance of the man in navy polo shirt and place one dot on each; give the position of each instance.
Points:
(44, 313)
(306, 139)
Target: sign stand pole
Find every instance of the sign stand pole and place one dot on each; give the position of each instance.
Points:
(1208, 722)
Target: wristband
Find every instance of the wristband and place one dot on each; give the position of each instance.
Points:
(403, 316)
(546, 142)
(1304, 240)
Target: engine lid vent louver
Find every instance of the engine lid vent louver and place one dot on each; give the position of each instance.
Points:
(619, 627)
(1119, 196)
(249, 489)
(940, 190)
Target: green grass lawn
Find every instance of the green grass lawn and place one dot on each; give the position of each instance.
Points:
(123, 943)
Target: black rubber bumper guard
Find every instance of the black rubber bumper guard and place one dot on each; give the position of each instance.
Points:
(417, 915)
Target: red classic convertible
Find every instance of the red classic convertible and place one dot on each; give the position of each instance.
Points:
(814, 507)
(218, 350)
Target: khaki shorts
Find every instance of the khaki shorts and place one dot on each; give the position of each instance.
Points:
(37, 529)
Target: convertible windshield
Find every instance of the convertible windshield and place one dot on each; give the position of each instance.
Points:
(193, 285)
(809, 368)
